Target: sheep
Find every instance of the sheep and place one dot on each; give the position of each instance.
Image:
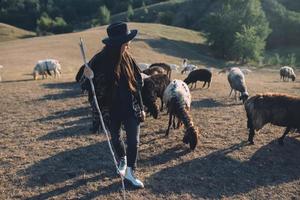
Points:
(199, 75)
(277, 109)
(143, 66)
(154, 87)
(154, 70)
(44, 67)
(165, 66)
(287, 72)
(227, 69)
(144, 76)
(178, 100)
(174, 67)
(187, 67)
(237, 82)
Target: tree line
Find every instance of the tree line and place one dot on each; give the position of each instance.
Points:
(235, 29)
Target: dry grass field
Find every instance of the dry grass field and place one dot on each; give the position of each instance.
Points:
(48, 152)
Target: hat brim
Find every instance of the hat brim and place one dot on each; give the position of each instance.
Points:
(121, 40)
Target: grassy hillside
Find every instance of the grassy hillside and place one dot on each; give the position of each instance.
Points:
(48, 152)
(154, 43)
(8, 32)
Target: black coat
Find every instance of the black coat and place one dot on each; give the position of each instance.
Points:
(104, 82)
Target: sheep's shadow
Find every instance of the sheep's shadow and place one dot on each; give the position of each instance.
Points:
(69, 90)
(210, 103)
(77, 127)
(16, 81)
(76, 121)
(88, 160)
(72, 113)
(218, 175)
(164, 157)
(183, 49)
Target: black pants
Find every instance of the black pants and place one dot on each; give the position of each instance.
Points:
(132, 129)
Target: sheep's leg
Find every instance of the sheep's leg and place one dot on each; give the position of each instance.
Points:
(162, 104)
(208, 85)
(251, 129)
(170, 122)
(174, 121)
(204, 84)
(230, 92)
(280, 140)
(235, 95)
(195, 85)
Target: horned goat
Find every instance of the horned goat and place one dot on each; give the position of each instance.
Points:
(277, 109)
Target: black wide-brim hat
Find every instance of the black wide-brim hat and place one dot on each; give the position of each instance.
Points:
(118, 34)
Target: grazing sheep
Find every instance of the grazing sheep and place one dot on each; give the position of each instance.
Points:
(165, 66)
(237, 82)
(178, 100)
(44, 67)
(227, 69)
(154, 70)
(277, 109)
(143, 66)
(287, 72)
(199, 75)
(174, 67)
(187, 67)
(246, 71)
(154, 87)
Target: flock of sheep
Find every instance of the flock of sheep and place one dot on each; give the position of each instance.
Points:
(278, 109)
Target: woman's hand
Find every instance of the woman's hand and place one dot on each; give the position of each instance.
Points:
(88, 72)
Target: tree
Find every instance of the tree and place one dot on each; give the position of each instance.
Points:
(104, 15)
(130, 13)
(238, 30)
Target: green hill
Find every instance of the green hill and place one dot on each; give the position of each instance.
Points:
(8, 32)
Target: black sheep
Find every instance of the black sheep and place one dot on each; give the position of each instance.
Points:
(154, 88)
(199, 75)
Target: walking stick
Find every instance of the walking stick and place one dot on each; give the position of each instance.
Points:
(88, 72)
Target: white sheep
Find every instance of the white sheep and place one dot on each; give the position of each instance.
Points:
(287, 72)
(237, 82)
(44, 67)
(143, 66)
(177, 97)
(174, 67)
(227, 69)
(187, 67)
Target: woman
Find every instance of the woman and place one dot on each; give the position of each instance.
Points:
(118, 83)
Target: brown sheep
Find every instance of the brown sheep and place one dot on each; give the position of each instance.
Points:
(277, 109)
(154, 70)
(165, 66)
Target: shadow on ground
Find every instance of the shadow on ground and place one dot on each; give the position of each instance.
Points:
(218, 175)
(211, 103)
(69, 90)
(62, 167)
(184, 49)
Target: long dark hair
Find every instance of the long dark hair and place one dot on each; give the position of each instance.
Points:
(122, 65)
